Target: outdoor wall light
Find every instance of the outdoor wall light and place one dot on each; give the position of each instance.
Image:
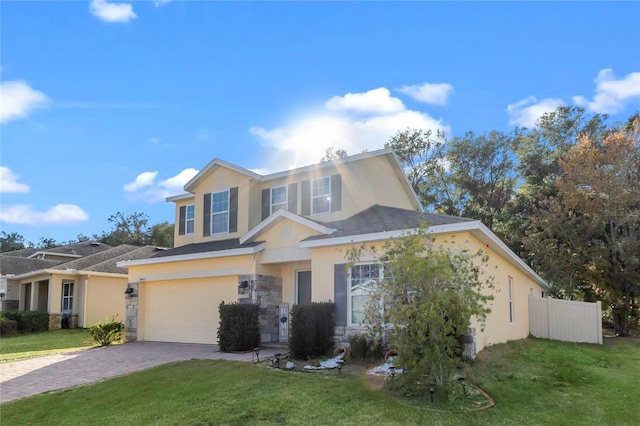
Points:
(432, 390)
(2, 295)
(128, 293)
(257, 352)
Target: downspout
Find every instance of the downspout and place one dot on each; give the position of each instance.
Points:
(84, 303)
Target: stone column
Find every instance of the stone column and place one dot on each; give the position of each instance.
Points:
(131, 319)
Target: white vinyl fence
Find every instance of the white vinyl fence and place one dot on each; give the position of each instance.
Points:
(565, 320)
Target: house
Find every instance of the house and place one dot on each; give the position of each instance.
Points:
(78, 283)
(281, 239)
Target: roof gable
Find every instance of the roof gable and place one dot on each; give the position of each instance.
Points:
(280, 216)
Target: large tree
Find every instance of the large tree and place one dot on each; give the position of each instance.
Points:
(10, 242)
(585, 236)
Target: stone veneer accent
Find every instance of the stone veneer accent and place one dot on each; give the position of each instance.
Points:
(131, 315)
(265, 291)
(55, 321)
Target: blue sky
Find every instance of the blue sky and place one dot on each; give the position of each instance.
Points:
(112, 106)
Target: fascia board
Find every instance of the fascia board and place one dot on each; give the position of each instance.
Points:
(180, 197)
(325, 164)
(193, 256)
(405, 181)
(53, 253)
(279, 216)
(477, 229)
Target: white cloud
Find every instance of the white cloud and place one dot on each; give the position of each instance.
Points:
(145, 188)
(526, 112)
(112, 12)
(9, 182)
(60, 214)
(18, 99)
(611, 93)
(376, 101)
(305, 139)
(436, 93)
(142, 180)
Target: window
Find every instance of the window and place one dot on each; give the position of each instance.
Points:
(321, 195)
(278, 198)
(67, 296)
(220, 212)
(510, 300)
(190, 218)
(361, 281)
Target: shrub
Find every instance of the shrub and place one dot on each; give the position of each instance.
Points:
(239, 329)
(107, 332)
(363, 348)
(8, 327)
(312, 328)
(29, 321)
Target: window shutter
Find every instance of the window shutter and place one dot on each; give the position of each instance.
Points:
(182, 220)
(292, 194)
(266, 203)
(206, 220)
(305, 197)
(233, 209)
(340, 293)
(336, 193)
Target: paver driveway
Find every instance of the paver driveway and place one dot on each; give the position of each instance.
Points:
(21, 379)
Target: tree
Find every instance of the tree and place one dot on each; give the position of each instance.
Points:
(47, 243)
(11, 242)
(429, 298)
(333, 154)
(131, 229)
(422, 156)
(161, 235)
(586, 237)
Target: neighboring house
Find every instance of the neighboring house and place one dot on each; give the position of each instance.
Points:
(79, 283)
(283, 237)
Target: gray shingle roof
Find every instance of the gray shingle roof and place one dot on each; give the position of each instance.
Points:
(17, 265)
(379, 218)
(102, 261)
(233, 243)
(83, 248)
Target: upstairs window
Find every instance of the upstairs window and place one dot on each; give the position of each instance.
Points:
(190, 218)
(321, 195)
(278, 198)
(220, 212)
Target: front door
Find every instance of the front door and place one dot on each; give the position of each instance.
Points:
(304, 287)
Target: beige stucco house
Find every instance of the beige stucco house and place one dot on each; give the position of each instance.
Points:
(282, 238)
(77, 284)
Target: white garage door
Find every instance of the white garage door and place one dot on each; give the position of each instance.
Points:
(185, 311)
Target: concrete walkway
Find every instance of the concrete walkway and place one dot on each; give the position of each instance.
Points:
(21, 379)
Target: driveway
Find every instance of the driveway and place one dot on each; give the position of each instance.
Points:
(30, 377)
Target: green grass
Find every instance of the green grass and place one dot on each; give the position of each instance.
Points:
(40, 344)
(531, 381)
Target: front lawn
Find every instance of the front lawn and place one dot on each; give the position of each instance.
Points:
(531, 381)
(39, 344)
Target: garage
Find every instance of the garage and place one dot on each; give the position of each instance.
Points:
(184, 311)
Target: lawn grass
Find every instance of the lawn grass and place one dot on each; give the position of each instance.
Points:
(531, 381)
(39, 344)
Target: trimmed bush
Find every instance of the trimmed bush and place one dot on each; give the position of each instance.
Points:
(29, 321)
(107, 332)
(8, 327)
(363, 348)
(312, 329)
(239, 329)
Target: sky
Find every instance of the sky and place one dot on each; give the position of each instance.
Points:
(111, 107)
